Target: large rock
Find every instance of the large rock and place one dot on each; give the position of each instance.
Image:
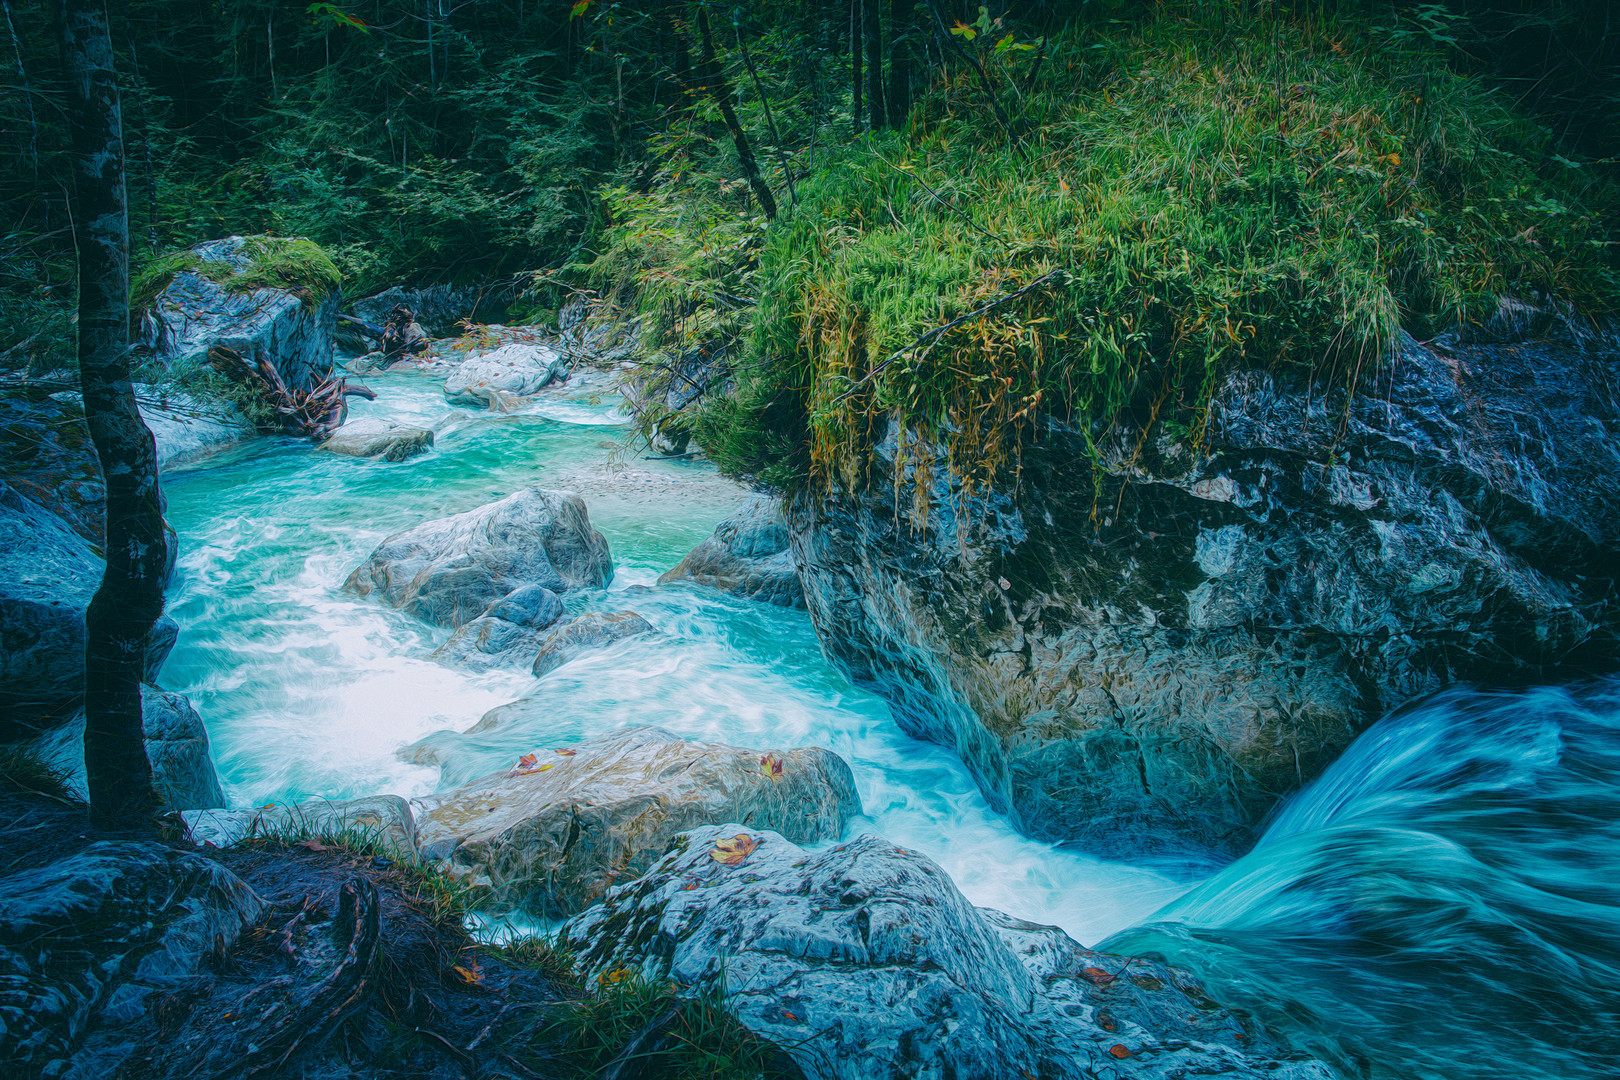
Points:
(449, 571)
(747, 556)
(95, 934)
(373, 436)
(514, 370)
(1156, 662)
(588, 633)
(553, 840)
(48, 573)
(183, 773)
(508, 632)
(196, 311)
(440, 309)
(865, 961)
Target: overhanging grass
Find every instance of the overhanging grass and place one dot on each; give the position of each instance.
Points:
(1196, 192)
(292, 263)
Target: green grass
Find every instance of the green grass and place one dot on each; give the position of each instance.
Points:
(1195, 192)
(295, 264)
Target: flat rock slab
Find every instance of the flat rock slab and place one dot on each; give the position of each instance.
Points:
(517, 369)
(555, 834)
(375, 437)
(588, 633)
(865, 961)
(449, 571)
(747, 556)
(93, 935)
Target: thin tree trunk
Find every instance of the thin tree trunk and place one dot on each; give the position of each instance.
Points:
(146, 147)
(874, 66)
(715, 81)
(901, 24)
(130, 599)
(770, 120)
(857, 45)
(28, 93)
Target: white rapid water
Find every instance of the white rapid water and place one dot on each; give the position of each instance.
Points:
(307, 691)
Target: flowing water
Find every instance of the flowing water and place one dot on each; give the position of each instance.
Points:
(1444, 902)
(309, 692)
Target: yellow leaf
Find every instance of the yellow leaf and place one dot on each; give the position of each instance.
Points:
(771, 766)
(732, 851)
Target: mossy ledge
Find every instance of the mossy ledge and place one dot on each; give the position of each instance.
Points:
(296, 264)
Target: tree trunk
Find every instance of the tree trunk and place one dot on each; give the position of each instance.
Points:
(901, 18)
(857, 44)
(874, 66)
(715, 82)
(130, 598)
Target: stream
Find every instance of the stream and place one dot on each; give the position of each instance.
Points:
(309, 692)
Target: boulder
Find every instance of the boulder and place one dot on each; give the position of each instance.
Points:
(748, 556)
(449, 571)
(588, 633)
(1154, 662)
(508, 632)
(517, 369)
(183, 772)
(185, 428)
(48, 573)
(554, 834)
(382, 819)
(373, 436)
(90, 937)
(209, 303)
(440, 309)
(865, 960)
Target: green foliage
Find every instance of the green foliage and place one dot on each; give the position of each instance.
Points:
(295, 264)
(1194, 192)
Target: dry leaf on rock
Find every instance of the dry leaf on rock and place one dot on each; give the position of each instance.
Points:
(771, 766)
(733, 850)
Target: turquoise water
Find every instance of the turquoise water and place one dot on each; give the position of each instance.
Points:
(309, 692)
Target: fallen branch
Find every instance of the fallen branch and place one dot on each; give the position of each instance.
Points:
(315, 413)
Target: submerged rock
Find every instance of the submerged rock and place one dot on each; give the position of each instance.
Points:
(514, 370)
(292, 325)
(447, 572)
(48, 573)
(747, 556)
(1157, 665)
(508, 632)
(554, 838)
(866, 961)
(588, 633)
(92, 936)
(376, 437)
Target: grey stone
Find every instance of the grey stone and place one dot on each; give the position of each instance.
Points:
(513, 370)
(588, 633)
(447, 572)
(440, 309)
(104, 929)
(509, 631)
(865, 961)
(48, 573)
(747, 556)
(185, 428)
(183, 773)
(377, 437)
(194, 314)
(555, 838)
(1155, 666)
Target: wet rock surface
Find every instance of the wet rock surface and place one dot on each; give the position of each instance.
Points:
(88, 939)
(184, 776)
(747, 556)
(384, 820)
(865, 961)
(588, 633)
(558, 831)
(509, 632)
(379, 438)
(1155, 666)
(447, 572)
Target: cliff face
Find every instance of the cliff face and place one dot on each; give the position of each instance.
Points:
(1152, 662)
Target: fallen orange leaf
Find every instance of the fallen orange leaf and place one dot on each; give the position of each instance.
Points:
(1119, 1051)
(732, 851)
(566, 752)
(771, 766)
(791, 1017)
(312, 845)
(1097, 976)
(470, 974)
